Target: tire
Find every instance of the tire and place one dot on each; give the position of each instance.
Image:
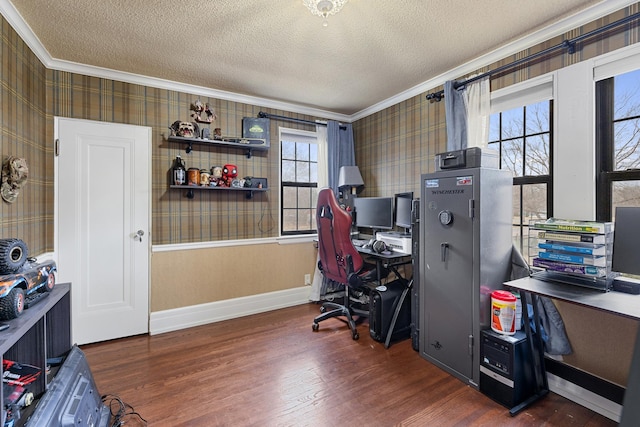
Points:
(13, 255)
(12, 305)
(50, 283)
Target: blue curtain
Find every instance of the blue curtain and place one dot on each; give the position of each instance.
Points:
(456, 117)
(340, 151)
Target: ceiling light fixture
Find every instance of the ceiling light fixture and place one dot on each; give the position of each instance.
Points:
(324, 8)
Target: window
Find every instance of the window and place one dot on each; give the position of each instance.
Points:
(523, 138)
(618, 143)
(299, 178)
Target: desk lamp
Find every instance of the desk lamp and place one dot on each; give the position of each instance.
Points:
(351, 179)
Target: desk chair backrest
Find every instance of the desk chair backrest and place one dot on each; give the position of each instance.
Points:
(334, 238)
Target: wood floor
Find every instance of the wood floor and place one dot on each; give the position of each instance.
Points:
(271, 369)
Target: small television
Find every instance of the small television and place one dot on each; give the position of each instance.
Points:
(71, 399)
(374, 212)
(403, 210)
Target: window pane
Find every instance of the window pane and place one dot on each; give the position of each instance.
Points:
(304, 198)
(289, 197)
(534, 200)
(289, 217)
(288, 171)
(494, 127)
(512, 156)
(288, 150)
(537, 157)
(304, 219)
(302, 172)
(627, 144)
(512, 123)
(313, 152)
(302, 151)
(627, 95)
(537, 117)
(313, 172)
(625, 193)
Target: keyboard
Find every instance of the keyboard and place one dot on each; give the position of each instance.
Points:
(359, 242)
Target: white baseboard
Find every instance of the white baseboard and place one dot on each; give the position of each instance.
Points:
(584, 397)
(187, 317)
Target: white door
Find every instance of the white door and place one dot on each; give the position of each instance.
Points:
(102, 226)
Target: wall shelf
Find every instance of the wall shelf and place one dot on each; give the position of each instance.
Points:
(191, 188)
(248, 144)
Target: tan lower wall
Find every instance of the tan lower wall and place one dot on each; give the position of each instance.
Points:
(184, 278)
(602, 343)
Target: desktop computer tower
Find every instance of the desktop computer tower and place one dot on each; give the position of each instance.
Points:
(382, 305)
(506, 368)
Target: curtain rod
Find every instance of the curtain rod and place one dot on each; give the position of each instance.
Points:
(570, 45)
(264, 115)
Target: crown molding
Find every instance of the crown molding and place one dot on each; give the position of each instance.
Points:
(589, 15)
(560, 27)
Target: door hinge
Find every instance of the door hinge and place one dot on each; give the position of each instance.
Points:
(56, 148)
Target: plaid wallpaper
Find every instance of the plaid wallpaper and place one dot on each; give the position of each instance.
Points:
(22, 134)
(393, 146)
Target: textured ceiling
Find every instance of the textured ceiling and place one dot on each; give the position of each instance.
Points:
(277, 50)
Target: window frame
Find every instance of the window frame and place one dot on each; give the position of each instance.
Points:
(520, 95)
(298, 136)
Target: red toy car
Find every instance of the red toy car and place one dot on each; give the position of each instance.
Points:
(21, 288)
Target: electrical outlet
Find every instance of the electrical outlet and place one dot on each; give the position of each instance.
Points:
(307, 279)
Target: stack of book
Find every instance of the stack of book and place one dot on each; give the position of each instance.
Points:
(576, 252)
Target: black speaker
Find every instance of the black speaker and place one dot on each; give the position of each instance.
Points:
(382, 304)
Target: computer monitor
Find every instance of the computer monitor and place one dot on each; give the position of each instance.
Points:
(626, 235)
(403, 210)
(374, 212)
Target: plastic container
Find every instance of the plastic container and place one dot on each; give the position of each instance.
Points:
(503, 312)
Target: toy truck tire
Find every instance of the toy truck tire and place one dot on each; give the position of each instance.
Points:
(12, 305)
(13, 255)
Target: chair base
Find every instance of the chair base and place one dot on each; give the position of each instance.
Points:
(337, 311)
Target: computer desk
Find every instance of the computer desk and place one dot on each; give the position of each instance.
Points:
(617, 303)
(391, 260)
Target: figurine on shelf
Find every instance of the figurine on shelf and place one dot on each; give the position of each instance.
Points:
(217, 134)
(198, 108)
(229, 172)
(185, 129)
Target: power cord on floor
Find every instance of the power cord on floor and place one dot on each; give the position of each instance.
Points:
(120, 410)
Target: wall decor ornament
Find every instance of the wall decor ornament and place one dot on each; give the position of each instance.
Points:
(14, 176)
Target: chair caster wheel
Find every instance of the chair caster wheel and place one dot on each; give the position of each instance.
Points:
(355, 336)
(315, 327)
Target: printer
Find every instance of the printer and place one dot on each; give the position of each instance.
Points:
(399, 242)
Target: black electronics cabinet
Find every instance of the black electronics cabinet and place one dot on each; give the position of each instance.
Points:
(415, 263)
(382, 305)
(506, 368)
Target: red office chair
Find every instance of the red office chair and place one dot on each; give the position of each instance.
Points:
(340, 261)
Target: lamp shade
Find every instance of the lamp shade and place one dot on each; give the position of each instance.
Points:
(350, 177)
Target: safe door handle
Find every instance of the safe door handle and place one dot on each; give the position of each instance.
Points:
(444, 248)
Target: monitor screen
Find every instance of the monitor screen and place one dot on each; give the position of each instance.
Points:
(374, 212)
(403, 209)
(626, 235)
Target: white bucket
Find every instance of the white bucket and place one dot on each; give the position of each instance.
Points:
(503, 312)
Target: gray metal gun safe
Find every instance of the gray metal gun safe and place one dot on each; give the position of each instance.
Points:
(465, 254)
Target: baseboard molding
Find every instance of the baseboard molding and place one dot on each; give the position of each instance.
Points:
(202, 314)
(584, 397)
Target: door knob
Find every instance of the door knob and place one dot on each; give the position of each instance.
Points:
(139, 234)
